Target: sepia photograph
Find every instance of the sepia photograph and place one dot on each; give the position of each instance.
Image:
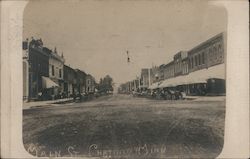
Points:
(124, 79)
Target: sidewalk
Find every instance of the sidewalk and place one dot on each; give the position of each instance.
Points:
(206, 98)
(28, 105)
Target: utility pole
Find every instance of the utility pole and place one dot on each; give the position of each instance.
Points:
(139, 80)
(135, 85)
(149, 80)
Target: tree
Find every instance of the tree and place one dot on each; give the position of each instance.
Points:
(106, 84)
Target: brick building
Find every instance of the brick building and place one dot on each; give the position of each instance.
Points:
(169, 70)
(56, 64)
(207, 54)
(69, 76)
(38, 61)
(80, 82)
(199, 71)
(178, 64)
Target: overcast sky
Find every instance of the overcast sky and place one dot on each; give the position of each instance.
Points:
(94, 35)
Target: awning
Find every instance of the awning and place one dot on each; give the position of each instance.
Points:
(48, 83)
(217, 71)
(154, 85)
(200, 76)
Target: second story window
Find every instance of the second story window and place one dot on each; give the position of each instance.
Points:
(53, 70)
(196, 61)
(203, 57)
(60, 73)
(199, 59)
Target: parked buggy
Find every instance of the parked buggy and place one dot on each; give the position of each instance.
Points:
(172, 95)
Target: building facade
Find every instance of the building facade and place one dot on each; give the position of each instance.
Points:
(155, 73)
(38, 61)
(169, 70)
(147, 77)
(90, 84)
(25, 70)
(69, 76)
(184, 66)
(56, 65)
(161, 72)
(80, 82)
(199, 71)
(178, 69)
(207, 54)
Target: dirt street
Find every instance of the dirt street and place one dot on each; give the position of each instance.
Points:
(122, 126)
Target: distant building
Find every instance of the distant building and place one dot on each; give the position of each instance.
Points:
(146, 77)
(161, 72)
(70, 83)
(80, 81)
(56, 64)
(125, 88)
(184, 66)
(90, 84)
(169, 70)
(155, 74)
(178, 62)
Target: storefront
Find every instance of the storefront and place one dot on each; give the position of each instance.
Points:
(209, 81)
(49, 89)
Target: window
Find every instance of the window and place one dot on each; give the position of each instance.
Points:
(192, 62)
(219, 48)
(196, 61)
(199, 59)
(210, 54)
(203, 58)
(215, 52)
(60, 73)
(53, 70)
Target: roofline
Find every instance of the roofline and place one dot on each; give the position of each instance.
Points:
(207, 41)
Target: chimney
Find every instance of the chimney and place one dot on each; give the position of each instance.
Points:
(55, 51)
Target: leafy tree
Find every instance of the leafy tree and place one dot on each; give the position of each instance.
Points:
(106, 84)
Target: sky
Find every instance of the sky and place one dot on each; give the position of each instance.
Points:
(95, 35)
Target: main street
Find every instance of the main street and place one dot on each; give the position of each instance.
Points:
(124, 126)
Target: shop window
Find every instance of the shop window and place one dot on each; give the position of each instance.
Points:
(53, 70)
